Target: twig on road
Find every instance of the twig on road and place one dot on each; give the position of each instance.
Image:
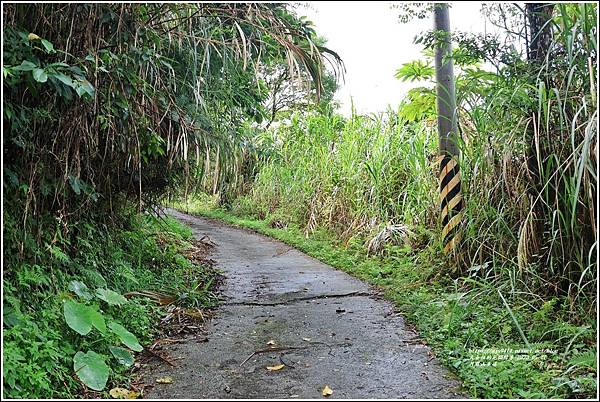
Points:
(284, 348)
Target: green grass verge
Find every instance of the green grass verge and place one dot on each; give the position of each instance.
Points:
(500, 346)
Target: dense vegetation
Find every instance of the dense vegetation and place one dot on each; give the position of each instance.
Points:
(65, 305)
(111, 109)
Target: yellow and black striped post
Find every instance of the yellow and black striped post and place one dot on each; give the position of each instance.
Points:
(450, 202)
(450, 199)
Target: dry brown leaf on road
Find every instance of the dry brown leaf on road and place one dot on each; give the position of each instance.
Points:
(122, 393)
(327, 391)
(275, 368)
(165, 380)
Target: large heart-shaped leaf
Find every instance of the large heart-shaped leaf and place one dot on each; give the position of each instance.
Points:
(82, 318)
(126, 337)
(122, 355)
(91, 369)
(77, 317)
(80, 289)
(111, 297)
(40, 75)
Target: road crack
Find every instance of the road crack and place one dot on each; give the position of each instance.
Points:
(300, 299)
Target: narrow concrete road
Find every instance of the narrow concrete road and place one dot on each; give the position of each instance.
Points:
(329, 327)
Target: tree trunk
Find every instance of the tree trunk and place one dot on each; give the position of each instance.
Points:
(539, 41)
(540, 31)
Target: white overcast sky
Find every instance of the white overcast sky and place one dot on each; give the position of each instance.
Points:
(374, 44)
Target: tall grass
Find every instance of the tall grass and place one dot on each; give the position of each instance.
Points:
(539, 224)
(350, 175)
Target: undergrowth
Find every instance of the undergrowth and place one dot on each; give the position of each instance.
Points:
(39, 345)
(500, 346)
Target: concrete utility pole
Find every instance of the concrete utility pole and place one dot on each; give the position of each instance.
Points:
(450, 200)
(444, 76)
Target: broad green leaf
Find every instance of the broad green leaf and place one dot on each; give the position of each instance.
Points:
(110, 296)
(91, 369)
(122, 355)
(81, 318)
(96, 278)
(80, 289)
(84, 87)
(126, 337)
(26, 65)
(77, 317)
(79, 89)
(48, 45)
(40, 75)
(78, 72)
(65, 79)
(88, 88)
(97, 320)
